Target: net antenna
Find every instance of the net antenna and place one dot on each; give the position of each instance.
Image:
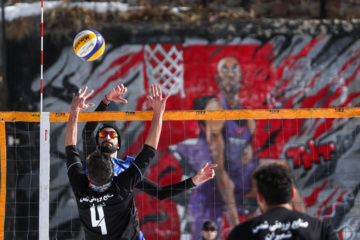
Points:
(165, 67)
(42, 56)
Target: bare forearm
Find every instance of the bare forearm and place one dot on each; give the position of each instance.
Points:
(153, 136)
(71, 130)
(298, 203)
(77, 104)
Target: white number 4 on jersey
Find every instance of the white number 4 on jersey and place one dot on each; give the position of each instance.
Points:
(98, 222)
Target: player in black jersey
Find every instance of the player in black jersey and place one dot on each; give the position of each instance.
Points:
(275, 188)
(106, 203)
(103, 141)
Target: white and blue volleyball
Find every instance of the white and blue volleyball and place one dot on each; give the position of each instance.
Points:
(89, 45)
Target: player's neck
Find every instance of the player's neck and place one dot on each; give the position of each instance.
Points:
(101, 188)
(285, 205)
(114, 155)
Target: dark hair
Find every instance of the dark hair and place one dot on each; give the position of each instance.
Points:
(108, 125)
(208, 224)
(275, 183)
(100, 168)
(200, 104)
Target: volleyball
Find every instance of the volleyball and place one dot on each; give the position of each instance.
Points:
(89, 45)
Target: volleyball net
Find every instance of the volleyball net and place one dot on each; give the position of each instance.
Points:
(320, 146)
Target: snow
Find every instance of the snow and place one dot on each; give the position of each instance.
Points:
(31, 9)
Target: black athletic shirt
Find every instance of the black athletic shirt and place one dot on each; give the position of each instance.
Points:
(110, 215)
(146, 185)
(281, 223)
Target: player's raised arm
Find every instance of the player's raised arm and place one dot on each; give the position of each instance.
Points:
(115, 95)
(158, 104)
(89, 143)
(77, 105)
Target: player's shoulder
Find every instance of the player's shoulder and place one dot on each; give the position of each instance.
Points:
(71, 149)
(296, 217)
(243, 229)
(284, 212)
(128, 159)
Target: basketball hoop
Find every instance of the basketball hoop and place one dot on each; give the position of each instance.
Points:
(165, 67)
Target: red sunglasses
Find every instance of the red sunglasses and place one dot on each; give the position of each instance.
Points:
(112, 134)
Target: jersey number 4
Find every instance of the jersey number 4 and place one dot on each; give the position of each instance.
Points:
(98, 222)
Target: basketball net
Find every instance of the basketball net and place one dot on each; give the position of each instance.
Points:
(164, 66)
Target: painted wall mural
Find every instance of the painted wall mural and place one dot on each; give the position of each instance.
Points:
(294, 72)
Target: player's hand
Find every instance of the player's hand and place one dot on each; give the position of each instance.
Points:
(205, 173)
(158, 102)
(79, 99)
(115, 94)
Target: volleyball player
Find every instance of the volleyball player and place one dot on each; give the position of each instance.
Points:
(275, 192)
(106, 203)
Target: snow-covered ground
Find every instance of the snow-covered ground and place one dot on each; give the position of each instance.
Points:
(29, 9)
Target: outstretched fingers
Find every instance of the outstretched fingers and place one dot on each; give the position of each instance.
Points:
(116, 92)
(211, 166)
(90, 105)
(88, 94)
(120, 89)
(159, 92)
(154, 91)
(204, 174)
(166, 97)
(82, 92)
(158, 102)
(78, 102)
(209, 169)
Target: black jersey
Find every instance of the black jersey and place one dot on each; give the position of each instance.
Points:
(110, 214)
(281, 223)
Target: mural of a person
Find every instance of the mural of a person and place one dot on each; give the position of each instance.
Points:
(223, 194)
(228, 144)
(229, 79)
(236, 136)
(220, 142)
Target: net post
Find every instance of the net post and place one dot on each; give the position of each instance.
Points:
(44, 176)
(3, 177)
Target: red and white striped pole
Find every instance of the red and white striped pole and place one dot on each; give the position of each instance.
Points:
(42, 46)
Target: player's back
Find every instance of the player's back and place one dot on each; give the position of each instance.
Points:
(108, 215)
(281, 223)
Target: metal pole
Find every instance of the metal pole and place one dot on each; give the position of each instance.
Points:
(322, 9)
(3, 82)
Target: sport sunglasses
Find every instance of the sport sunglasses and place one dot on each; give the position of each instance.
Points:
(112, 134)
(211, 229)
